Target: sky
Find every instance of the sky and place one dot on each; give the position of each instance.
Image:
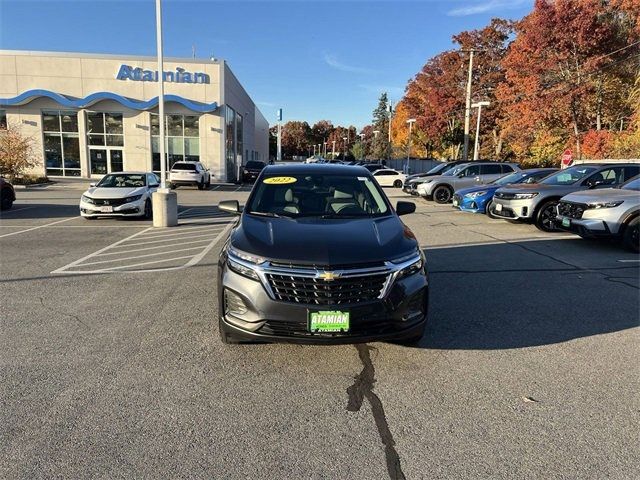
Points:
(314, 59)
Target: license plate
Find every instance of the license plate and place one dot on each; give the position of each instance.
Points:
(330, 321)
(566, 222)
(107, 209)
(455, 203)
(498, 207)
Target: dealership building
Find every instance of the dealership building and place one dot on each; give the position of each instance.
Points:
(89, 115)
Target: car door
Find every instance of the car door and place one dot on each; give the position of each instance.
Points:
(490, 172)
(467, 177)
(382, 177)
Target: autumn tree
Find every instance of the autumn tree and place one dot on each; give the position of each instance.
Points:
(16, 152)
(295, 138)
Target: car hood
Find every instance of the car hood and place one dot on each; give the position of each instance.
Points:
(600, 195)
(98, 192)
(324, 241)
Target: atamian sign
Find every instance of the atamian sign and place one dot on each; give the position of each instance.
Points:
(137, 74)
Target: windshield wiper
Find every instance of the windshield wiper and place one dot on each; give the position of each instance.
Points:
(338, 215)
(268, 214)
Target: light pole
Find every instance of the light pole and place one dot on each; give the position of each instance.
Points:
(411, 121)
(390, 117)
(467, 109)
(476, 146)
(314, 150)
(362, 135)
(164, 201)
(333, 151)
(345, 147)
(324, 145)
(279, 152)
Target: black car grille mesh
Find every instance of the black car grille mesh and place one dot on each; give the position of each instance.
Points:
(109, 201)
(571, 210)
(505, 196)
(315, 291)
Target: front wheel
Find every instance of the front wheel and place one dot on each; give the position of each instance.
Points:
(201, 184)
(7, 202)
(545, 219)
(148, 210)
(442, 194)
(631, 235)
(397, 184)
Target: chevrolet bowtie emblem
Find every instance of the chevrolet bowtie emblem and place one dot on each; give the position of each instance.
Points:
(328, 276)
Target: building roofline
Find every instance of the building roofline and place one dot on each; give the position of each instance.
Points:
(111, 56)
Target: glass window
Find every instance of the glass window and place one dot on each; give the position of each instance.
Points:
(471, 171)
(105, 129)
(113, 123)
(630, 172)
(3, 120)
(239, 138)
(491, 169)
(182, 139)
(61, 150)
(230, 143)
(569, 176)
(507, 168)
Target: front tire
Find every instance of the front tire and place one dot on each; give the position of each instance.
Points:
(442, 194)
(397, 184)
(225, 337)
(631, 235)
(201, 184)
(488, 210)
(148, 210)
(6, 202)
(545, 219)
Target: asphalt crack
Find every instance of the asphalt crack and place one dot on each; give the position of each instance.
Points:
(363, 388)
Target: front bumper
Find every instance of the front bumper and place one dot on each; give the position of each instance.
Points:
(401, 314)
(133, 209)
(513, 209)
(588, 228)
(466, 204)
(250, 177)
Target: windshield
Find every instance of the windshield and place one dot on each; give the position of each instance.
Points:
(255, 165)
(317, 195)
(514, 177)
(633, 184)
(455, 170)
(123, 180)
(569, 176)
(438, 168)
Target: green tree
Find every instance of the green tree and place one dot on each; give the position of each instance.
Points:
(358, 150)
(381, 148)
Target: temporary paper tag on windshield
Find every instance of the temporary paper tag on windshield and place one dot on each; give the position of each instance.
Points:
(279, 180)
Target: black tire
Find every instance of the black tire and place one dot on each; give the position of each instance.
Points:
(173, 186)
(201, 184)
(442, 194)
(90, 218)
(226, 338)
(209, 181)
(148, 210)
(6, 202)
(397, 184)
(545, 218)
(488, 210)
(631, 235)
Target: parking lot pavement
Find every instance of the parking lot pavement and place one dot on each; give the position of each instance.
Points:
(528, 367)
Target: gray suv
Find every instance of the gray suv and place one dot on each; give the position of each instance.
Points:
(441, 187)
(537, 202)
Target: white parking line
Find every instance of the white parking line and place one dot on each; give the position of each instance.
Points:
(163, 241)
(122, 259)
(121, 252)
(36, 228)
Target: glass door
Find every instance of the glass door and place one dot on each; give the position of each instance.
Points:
(106, 160)
(98, 160)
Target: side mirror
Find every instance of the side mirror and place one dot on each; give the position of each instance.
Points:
(230, 206)
(92, 184)
(460, 175)
(404, 208)
(154, 185)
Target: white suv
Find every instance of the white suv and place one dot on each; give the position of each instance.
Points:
(189, 173)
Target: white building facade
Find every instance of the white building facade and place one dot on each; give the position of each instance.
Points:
(89, 115)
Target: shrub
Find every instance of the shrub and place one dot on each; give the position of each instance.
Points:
(16, 152)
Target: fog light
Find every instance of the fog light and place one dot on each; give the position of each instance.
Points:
(525, 210)
(233, 304)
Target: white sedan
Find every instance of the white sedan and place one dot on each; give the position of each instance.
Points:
(387, 177)
(121, 194)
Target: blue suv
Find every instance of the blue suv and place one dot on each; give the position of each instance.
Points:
(476, 199)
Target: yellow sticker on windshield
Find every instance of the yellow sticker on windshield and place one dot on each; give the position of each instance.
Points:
(279, 180)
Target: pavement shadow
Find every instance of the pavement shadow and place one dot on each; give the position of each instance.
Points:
(526, 294)
(30, 211)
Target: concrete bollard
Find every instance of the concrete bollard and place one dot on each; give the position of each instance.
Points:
(165, 208)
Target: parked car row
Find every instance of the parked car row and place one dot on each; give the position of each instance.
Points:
(591, 200)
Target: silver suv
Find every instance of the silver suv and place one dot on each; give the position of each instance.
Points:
(536, 202)
(441, 187)
(610, 212)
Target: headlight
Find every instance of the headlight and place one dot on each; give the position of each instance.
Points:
(476, 194)
(87, 199)
(522, 196)
(605, 204)
(134, 198)
(415, 263)
(241, 263)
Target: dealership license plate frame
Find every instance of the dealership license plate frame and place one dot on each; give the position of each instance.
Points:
(498, 207)
(106, 209)
(316, 324)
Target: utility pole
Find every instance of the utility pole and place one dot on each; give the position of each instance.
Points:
(411, 121)
(467, 110)
(333, 151)
(345, 147)
(279, 155)
(390, 117)
(476, 146)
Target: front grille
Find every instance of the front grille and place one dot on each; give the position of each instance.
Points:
(505, 212)
(505, 195)
(323, 267)
(571, 210)
(316, 291)
(109, 201)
